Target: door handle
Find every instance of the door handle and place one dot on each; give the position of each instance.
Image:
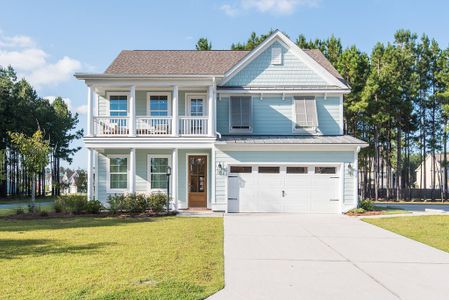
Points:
(283, 193)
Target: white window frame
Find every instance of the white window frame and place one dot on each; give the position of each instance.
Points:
(169, 99)
(304, 130)
(108, 173)
(190, 96)
(116, 93)
(241, 130)
(149, 157)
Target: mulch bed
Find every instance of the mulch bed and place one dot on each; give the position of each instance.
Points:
(366, 213)
(51, 215)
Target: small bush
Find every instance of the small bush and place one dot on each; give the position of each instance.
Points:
(116, 203)
(94, 207)
(20, 211)
(58, 206)
(43, 213)
(366, 205)
(356, 211)
(136, 203)
(158, 202)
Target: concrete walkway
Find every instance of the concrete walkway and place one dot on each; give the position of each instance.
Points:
(293, 256)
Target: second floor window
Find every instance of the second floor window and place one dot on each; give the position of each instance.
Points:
(305, 112)
(240, 113)
(118, 106)
(158, 105)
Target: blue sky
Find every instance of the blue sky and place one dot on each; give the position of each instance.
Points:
(47, 41)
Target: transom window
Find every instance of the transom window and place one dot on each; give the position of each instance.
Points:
(118, 173)
(296, 170)
(241, 169)
(272, 170)
(325, 170)
(240, 113)
(158, 105)
(305, 112)
(118, 106)
(158, 172)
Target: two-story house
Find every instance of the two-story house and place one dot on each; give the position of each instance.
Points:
(240, 131)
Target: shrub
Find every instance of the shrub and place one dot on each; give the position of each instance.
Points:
(75, 204)
(158, 202)
(366, 205)
(20, 211)
(356, 211)
(116, 203)
(43, 213)
(94, 207)
(58, 206)
(136, 203)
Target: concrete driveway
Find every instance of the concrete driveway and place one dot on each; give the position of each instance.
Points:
(294, 256)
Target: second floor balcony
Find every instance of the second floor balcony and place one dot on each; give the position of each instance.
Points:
(151, 112)
(151, 126)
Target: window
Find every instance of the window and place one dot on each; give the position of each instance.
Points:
(276, 56)
(241, 169)
(118, 172)
(158, 105)
(269, 170)
(118, 106)
(305, 112)
(296, 170)
(325, 170)
(158, 172)
(196, 107)
(240, 112)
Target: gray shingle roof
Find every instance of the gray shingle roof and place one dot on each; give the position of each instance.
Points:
(190, 62)
(291, 139)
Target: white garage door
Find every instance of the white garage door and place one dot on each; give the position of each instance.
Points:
(307, 189)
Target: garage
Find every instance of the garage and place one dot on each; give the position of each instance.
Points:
(290, 188)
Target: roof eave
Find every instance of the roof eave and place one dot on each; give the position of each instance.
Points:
(87, 76)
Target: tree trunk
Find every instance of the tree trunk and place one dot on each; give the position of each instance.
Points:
(398, 164)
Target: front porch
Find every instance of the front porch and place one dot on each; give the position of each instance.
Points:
(144, 170)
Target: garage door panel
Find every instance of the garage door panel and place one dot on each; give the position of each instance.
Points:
(296, 193)
(324, 194)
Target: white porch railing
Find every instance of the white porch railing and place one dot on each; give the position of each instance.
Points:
(111, 125)
(153, 125)
(193, 125)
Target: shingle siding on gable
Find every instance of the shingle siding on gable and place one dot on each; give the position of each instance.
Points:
(260, 71)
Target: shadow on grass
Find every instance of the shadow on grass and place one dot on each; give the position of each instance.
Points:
(70, 222)
(12, 248)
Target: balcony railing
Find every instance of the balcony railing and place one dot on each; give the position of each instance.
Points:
(153, 125)
(111, 126)
(193, 125)
(150, 126)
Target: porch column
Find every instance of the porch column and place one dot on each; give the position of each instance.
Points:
(132, 111)
(132, 171)
(174, 168)
(91, 95)
(174, 124)
(210, 114)
(90, 174)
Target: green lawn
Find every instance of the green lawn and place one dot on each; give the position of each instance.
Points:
(430, 230)
(111, 258)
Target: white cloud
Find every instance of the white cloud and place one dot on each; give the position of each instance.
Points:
(82, 109)
(33, 63)
(280, 7)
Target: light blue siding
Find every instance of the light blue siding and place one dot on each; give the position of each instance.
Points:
(275, 116)
(292, 71)
(255, 157)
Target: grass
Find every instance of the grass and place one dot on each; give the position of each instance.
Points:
(111, 258)
(389, 210)
(430, 230)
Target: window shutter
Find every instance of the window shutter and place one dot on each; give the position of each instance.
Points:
(276, 56)
(306, 114)
(240, 112)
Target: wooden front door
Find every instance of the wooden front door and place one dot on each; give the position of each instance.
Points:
(197, 165)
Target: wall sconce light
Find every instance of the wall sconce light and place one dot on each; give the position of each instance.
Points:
(351, 169)
(221, 169)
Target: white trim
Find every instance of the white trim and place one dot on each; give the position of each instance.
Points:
(174, 176)
(169, 99)
(132, 171)
(298, 52)
(96, 174)
(188, 98)
(245, 91)
(109, 190)
(208, 203)
(342, 186)
(149, 157)
(117, 93)
(341, 116)
(236, 130)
